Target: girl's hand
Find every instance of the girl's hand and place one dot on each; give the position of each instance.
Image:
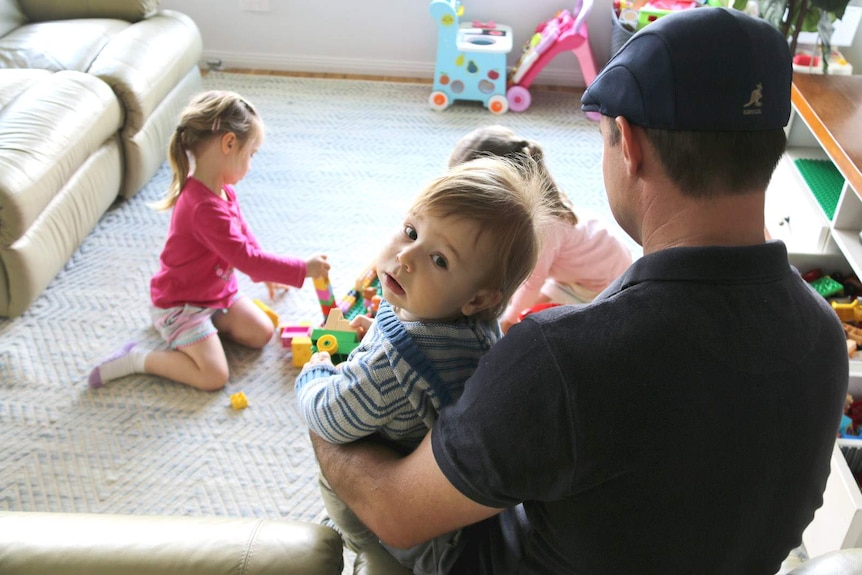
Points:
(361, 323)
(317, 267)
(274, 287)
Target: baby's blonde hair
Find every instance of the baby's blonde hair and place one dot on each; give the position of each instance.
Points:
(209, 115)
(503, 142)
(506, 200)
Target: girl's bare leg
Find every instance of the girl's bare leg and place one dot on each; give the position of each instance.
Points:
(245, 323)
(202, 365)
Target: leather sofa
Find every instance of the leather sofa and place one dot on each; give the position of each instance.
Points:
(91, 544)
(89, 94)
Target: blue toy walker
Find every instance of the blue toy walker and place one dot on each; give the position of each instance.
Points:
(471, 57)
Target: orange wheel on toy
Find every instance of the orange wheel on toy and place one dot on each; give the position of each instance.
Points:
(440, 99)
(498, 104)
(327, 343)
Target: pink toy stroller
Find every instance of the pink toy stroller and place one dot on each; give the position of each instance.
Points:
(565, 31)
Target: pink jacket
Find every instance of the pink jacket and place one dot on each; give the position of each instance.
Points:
(207, 239)
(587, 254)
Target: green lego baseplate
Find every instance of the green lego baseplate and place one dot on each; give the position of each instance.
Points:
(824, 180)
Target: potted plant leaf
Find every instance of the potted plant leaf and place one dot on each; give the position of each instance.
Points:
(790, 17)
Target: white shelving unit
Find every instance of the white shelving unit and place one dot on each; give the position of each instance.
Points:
(793, 214)
(826, 124)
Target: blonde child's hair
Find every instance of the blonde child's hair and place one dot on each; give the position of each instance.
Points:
(503, 142)
(209, 115)
(506, 200)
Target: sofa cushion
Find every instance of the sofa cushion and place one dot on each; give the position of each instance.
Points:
(143, 78)
(13, 82)
(10, 16)
(108, 544)
(59, 45)
(129, 10)
(46, 133)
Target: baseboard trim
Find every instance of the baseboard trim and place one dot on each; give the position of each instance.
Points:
(356, 67)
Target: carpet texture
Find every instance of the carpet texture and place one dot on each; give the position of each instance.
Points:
(341, 161)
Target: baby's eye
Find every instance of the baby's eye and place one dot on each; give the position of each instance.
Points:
(410, 232)
(439, 261)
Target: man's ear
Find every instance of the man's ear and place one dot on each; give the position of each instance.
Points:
(631, 145)
(483, 299)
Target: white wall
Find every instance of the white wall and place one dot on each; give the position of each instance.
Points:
(378, 37)
(395, 38)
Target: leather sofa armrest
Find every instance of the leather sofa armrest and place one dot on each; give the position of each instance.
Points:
(94, 544)
(142, 78)
(129, 10)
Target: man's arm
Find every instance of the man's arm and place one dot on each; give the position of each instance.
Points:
(404, 500)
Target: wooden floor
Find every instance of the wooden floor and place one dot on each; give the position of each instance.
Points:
(372, 78)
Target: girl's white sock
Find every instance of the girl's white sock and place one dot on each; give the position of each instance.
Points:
(127, 360)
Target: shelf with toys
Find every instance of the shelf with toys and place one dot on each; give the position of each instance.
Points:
(814, 202)
(814, 205)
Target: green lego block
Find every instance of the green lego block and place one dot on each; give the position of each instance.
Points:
(827, 287)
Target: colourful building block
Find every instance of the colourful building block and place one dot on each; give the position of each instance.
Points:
(827, 287)
(336, 337)
(850, 312)
(238, 400)
(273, 317)
(325, 295)
(300, 348)
(288, 332)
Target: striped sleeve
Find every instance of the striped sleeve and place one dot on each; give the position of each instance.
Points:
(345, 403)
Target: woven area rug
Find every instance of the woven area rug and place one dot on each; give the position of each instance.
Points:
(341, 161)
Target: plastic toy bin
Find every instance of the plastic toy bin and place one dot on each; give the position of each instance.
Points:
(619, 33)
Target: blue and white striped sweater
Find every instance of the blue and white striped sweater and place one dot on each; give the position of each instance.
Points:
(387, 385)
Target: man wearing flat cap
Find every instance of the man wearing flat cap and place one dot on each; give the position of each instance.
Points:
(684, 421)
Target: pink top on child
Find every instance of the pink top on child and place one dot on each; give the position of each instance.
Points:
(207, 239)
(586, 254)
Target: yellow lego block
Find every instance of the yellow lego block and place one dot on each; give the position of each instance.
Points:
(273, 317)
(848, 311)
(238, 400)
(300, 347)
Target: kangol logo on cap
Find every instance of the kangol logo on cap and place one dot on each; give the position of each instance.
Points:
(754, 104)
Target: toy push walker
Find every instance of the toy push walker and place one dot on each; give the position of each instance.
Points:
(567, 31)
(471, 58)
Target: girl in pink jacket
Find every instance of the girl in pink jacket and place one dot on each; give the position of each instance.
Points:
(195, 294)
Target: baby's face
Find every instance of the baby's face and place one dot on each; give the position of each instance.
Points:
(433, 267)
